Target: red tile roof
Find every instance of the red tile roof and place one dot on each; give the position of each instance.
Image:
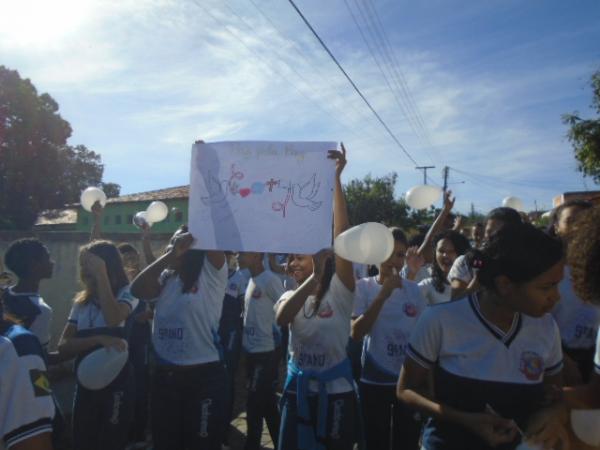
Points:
(159, 194)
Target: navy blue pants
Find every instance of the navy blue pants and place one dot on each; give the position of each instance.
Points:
(388, 423)
(188, 407)
(101, 418)
(342, 421)
(262, 374)
(231, 341)
(139, 352)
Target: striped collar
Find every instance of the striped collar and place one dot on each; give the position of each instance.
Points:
(505, 337)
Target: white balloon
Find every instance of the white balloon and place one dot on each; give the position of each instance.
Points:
(514, 203)
(92, 195)
(157, 212)
(141, 219)
(422, 196)
(367, 243)
(98, 369)
(586, 425)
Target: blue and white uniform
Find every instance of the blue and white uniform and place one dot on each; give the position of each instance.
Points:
(476, 364)
(319, 382)
(185, 326)
(262, 342)
(578, 323)
(385, 345)
(26, 405)
(101, 418)
(432, 295)
(460, 270)
(384, 350)
(261, 334)
(31, 311)
(189, 390)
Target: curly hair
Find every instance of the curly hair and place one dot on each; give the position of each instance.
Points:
(584, 255)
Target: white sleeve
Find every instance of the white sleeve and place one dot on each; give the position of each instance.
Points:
(128, 299)
(426, 339)
(361, 300)
(286, 295)
(25, 392)
(214, 279)
(554, 363)
(425, 289)
(74, 314)
(275, 288)
(341, 296)
(460, 270)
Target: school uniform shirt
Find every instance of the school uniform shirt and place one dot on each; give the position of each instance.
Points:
(384, 347)
(460, 270)
(26, 405)
(233, 304)
(477, 364)
(89, 315)
(424, 272)
(318, 341)
(260, 329)
(31, 311)
(185, 325)
(432, 295)
(577, 320)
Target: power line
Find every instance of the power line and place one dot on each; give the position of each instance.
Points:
(409, 156)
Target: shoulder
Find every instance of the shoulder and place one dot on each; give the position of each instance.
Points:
(338, 289)
(23, 340)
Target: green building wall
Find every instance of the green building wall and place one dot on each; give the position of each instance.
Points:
(117, 217)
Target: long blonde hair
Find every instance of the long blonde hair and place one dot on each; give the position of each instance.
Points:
(109, 253)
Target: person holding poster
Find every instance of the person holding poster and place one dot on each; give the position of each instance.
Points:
(189, 392)
(319, 404)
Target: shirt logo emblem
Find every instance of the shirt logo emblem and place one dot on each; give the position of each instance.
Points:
(41, 385)
(326, 312)
(257, 293)
(410, 309)
(532, 365)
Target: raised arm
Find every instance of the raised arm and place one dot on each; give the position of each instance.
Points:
(148, 254)
(146, 285)
(97, 211)
(437, 225)
(288, 309)
(343, 268)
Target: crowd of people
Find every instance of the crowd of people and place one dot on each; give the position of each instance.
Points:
(451, 343)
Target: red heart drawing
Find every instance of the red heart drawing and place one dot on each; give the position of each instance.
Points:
(244, 192)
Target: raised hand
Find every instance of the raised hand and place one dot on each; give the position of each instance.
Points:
(340, 157)
(181, 243)
(91, 263)
(414, 261)
(448, 201)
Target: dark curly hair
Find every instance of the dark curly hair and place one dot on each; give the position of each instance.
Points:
(21, 254)
(461, 246)
(584, 255)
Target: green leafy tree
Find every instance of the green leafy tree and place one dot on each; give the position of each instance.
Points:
(38, 170)
(584, 135)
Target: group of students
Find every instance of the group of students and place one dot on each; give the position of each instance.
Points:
(465, 345)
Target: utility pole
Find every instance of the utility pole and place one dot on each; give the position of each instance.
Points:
(424, 169)
(446, 171)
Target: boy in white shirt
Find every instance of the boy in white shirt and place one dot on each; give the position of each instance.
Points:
(261, 341)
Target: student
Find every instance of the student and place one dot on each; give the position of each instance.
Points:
(319, 405)
(101, 418)
(577, 320)
(26, 404)
(231, 327)
(418, 265)
(189, 390)
(491, 354)
(584, 259)
(462, 276)
(386, 310)
(30, 261)
(447, 245)
(477, 235)
(262, 344)
(139, 335)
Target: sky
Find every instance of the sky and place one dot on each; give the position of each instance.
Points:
(476, 86)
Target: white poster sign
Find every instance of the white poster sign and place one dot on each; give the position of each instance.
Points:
(271, 197)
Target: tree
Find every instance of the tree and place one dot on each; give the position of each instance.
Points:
(38, 170)
(585, 135)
